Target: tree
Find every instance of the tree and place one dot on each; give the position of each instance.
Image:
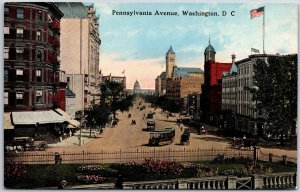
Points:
(276, 93)
(98, 115)
(112, 94)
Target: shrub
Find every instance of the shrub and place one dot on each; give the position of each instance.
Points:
(198, 170)
(228, 160)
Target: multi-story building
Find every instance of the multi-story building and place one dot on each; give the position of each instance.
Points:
(229, 96)
(237, 98)
(247, 118)
(117, 79)
(211, 97)
(31, 67)
(180, 87)
(181, 81)
(160, 84)
(31, 49)
(80, 51)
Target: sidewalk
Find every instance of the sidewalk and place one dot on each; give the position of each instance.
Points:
(74, 140)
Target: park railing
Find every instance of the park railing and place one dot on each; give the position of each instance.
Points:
(120, 156)
(268, 181)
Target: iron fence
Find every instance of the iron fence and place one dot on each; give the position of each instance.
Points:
(121, 156)
(261, 156)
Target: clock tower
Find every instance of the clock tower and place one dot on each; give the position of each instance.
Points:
(170, 62)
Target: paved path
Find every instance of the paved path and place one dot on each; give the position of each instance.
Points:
(132, 137)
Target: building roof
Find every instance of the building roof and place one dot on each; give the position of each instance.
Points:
(210, 48)
(69, 93)
(186, 71)
(72, 9)
(233, 68)
(170, 51)
(163, 76)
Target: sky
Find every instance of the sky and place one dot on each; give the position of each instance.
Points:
(138, 44)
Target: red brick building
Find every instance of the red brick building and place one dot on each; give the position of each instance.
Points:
(31, 56)
(32, 86)
(211, 98)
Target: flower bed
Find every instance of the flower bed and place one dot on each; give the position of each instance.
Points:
(90, 174)
(15, 170)
(90, 179)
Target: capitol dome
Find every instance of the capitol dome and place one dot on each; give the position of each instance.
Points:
(136, 87)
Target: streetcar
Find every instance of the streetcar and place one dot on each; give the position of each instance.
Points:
(162, 137)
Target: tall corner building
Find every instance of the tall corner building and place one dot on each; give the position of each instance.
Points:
(79, 57)
(211, 98)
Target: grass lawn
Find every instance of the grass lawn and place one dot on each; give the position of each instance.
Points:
(40, 176)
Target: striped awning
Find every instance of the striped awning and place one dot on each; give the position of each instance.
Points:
(34, 117)
(7, 121)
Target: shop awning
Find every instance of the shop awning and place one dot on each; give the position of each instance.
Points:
(68, 117)
(34, 117)
(7, 121)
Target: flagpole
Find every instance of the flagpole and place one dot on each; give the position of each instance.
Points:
(264, 30)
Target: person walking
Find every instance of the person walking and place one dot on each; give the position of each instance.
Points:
(119, 182)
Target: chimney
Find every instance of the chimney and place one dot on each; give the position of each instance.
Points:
(233, 58)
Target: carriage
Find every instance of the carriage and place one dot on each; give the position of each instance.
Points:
(150, 115)
(162, 137)
(150, 125)
(26, 144)
(185, 137)
(244, 143)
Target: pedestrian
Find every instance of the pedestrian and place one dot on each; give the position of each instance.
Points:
(62, 184)
(244, 139)
(119, 182)
(234, 140)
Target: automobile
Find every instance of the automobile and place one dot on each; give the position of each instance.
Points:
(162, 137)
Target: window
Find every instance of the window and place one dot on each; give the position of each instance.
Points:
(5, 97)
(38, 75)
(20, 32)
(6, 52)
(38, 96)
(50, 32)
(6, 11)
(5, 74)
(19, 97)
(40, 16)
(39, 35)
(39, 54)
(19, 73)
(19, 53)
(6, 30)
(20, 13)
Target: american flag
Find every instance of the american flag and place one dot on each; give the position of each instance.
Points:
(257, 12)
